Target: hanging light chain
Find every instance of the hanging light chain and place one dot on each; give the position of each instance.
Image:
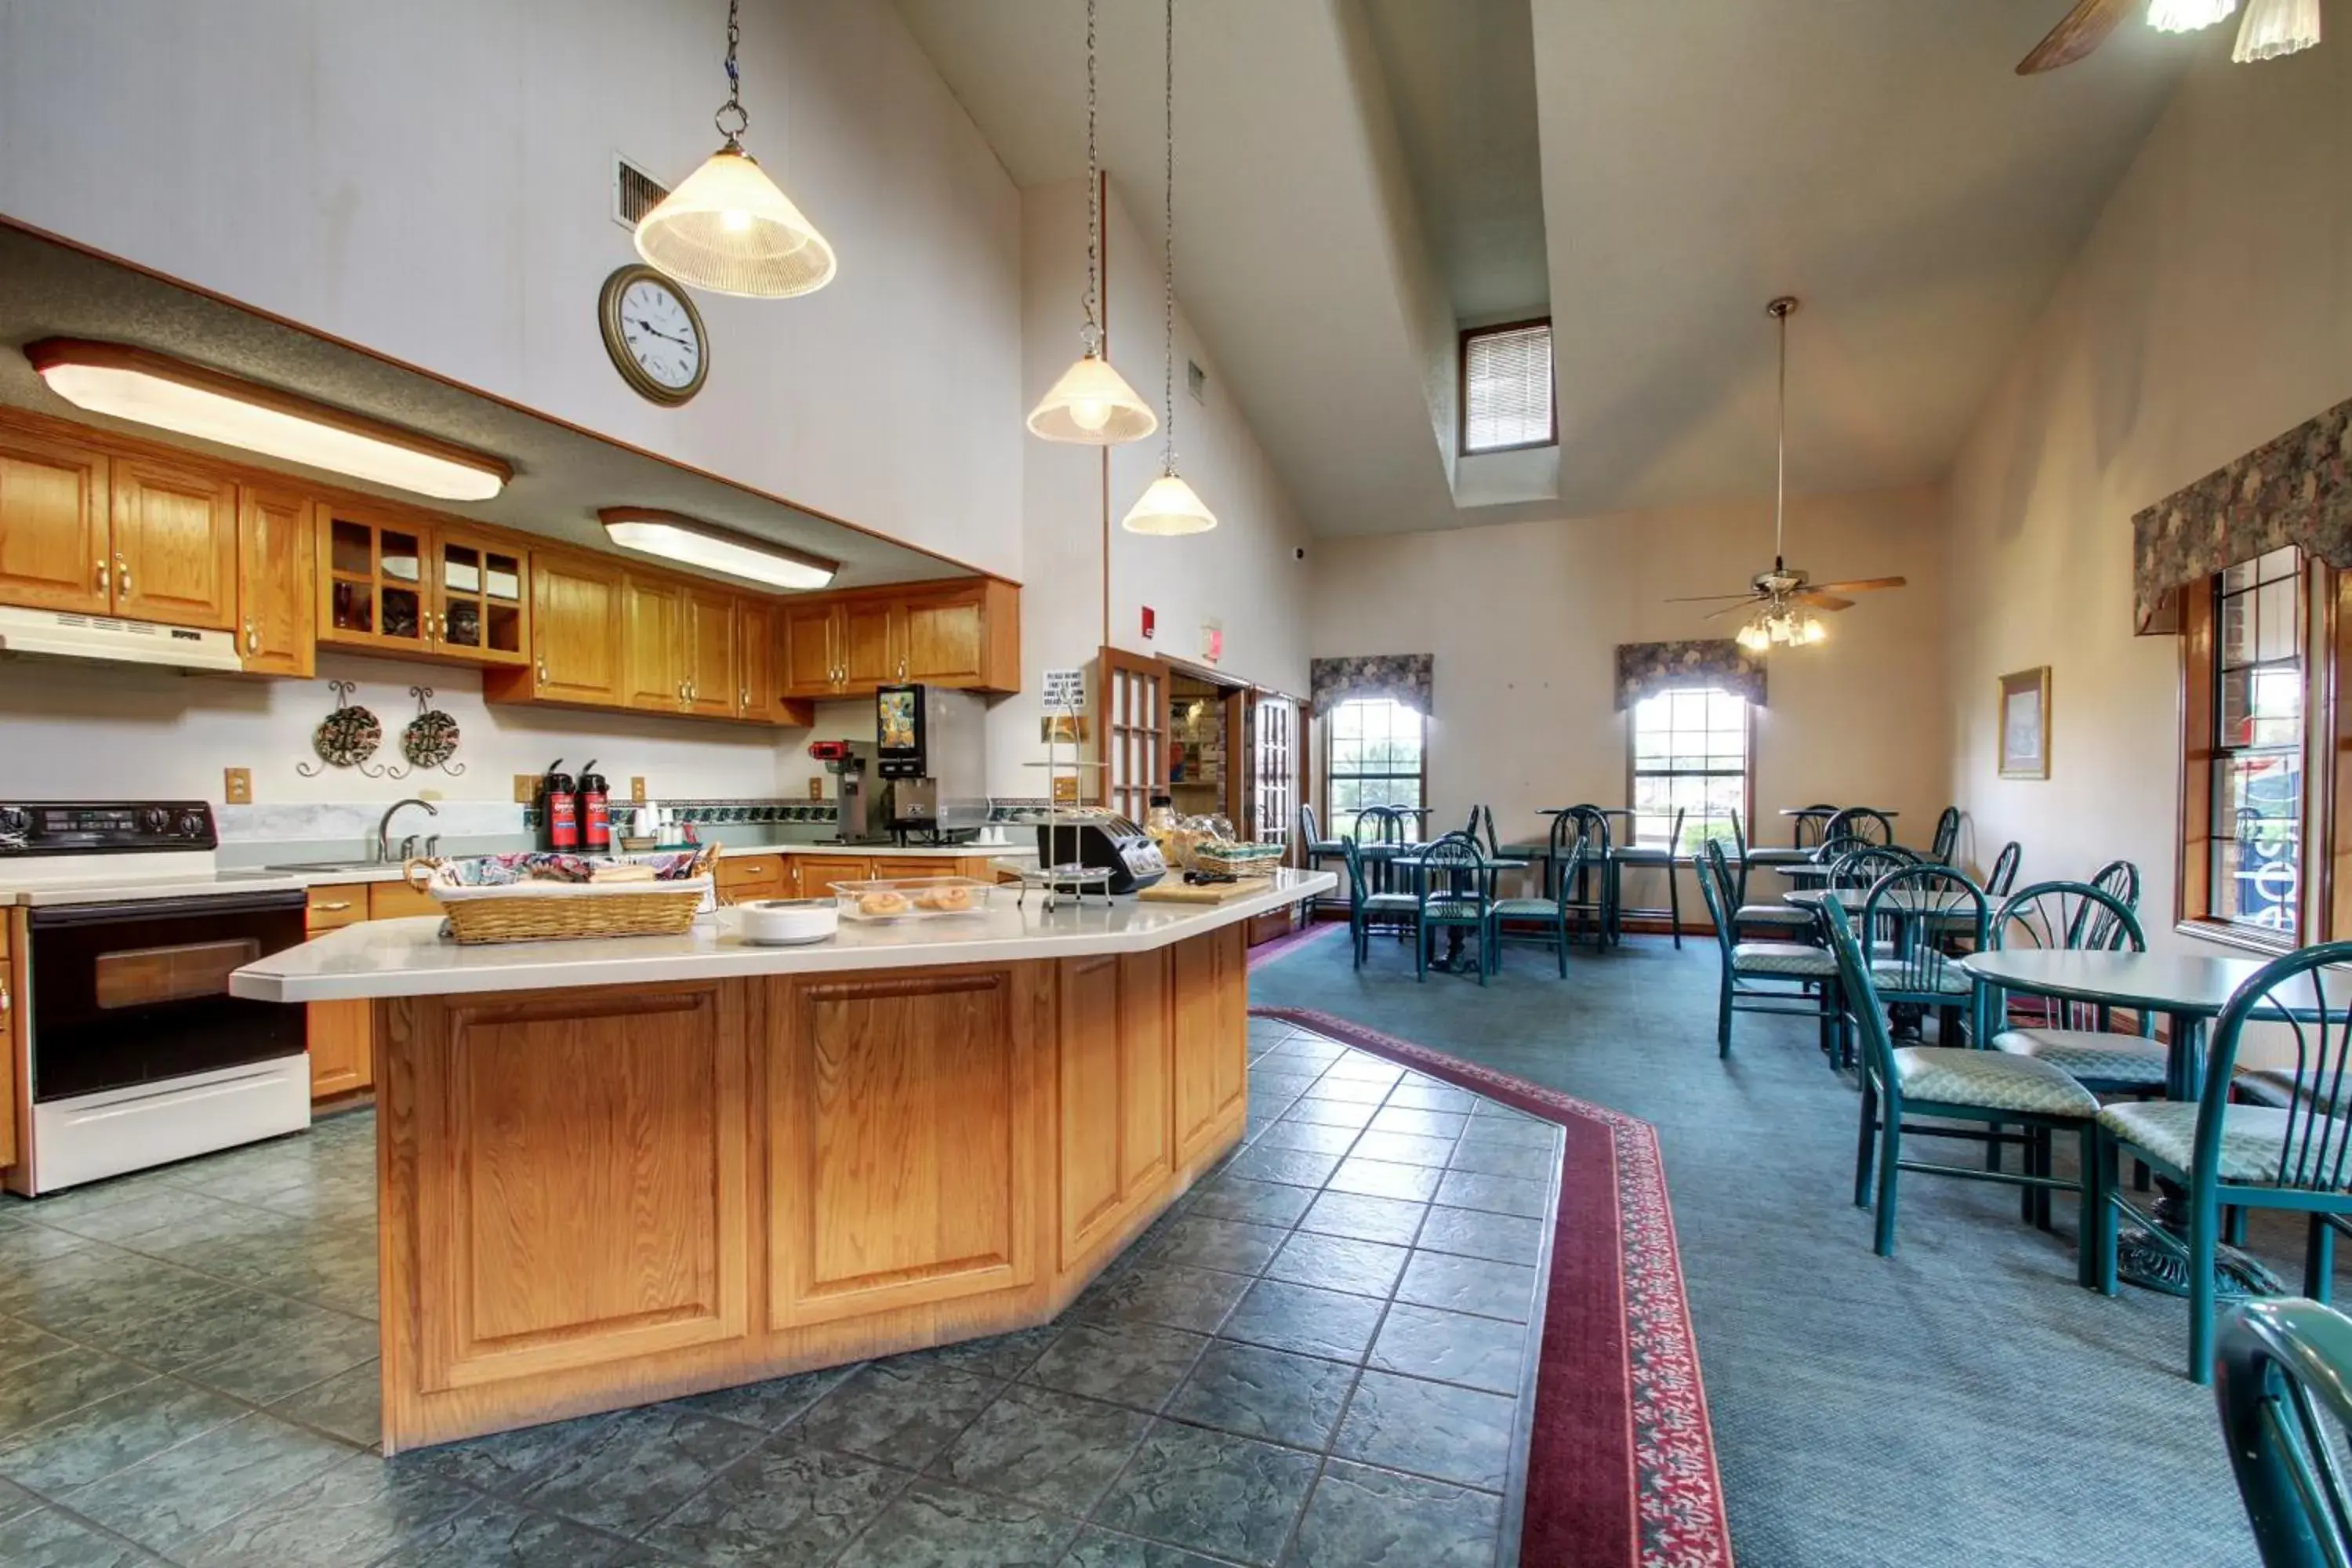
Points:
(734, 105)
(1090, 336)
(1780, 308)
(1167, 239)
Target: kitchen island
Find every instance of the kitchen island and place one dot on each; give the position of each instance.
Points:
(615, 1172)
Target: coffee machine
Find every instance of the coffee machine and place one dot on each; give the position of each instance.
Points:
(931, 749)
(861, 800)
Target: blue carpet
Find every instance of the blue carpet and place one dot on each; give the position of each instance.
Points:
(1961, 1403)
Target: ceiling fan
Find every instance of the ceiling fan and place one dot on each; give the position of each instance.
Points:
(1780, 600)
(2272, 28)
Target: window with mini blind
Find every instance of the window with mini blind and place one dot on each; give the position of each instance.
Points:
(1506, 401)
(1690, 755)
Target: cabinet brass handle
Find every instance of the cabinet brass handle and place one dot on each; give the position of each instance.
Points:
(542, 671)
(335, 907)
(101, 577)
(7, 1001)
(252, 638)
(121, 575)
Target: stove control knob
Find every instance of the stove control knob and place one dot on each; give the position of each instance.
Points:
(154, 819)
(190, 825)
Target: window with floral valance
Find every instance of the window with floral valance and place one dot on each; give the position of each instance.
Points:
(1404, 677)
(1646, 668)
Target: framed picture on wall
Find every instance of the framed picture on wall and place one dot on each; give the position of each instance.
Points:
(2025, 724)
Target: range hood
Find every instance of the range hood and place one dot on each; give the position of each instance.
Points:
(63, 634)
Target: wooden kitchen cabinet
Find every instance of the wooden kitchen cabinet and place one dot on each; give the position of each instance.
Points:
(965, 633)
(276, 595)
(577, 621)
(759, 694)
(743, 877)
(341, 1033)
(654, 672)
(54, 547)
(396, 583)
(398, 901)
(710, 655)
(173, 543)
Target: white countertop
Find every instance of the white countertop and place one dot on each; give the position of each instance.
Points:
(410, 958)
(99, 888)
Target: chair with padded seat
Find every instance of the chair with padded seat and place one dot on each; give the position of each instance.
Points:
(1756, 974)
(1859, 822)
(1805, 825)
(2225, 1155)
(1369, 906)
(1781, 921)
(1454, 897)
(1982, 1092)
(1653, 857)
(2283, 1379)
(1313, 846)
(2078, 1037)
(1594, 887)
(1556, 917)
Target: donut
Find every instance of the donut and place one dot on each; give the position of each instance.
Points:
(885, 903)
(947, 899)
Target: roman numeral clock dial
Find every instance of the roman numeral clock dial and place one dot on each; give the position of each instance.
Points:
(654, 334)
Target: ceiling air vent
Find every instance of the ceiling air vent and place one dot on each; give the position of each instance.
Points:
(1196, 380)
(634, 192)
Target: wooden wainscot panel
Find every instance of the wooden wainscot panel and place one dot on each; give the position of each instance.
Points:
(1113, 1030)
(903, 1128)
(1212, 1014)
(582, 1183)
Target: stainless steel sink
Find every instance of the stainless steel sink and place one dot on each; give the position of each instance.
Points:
(334, 865)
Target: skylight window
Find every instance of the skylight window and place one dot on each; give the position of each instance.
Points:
(1506, 387)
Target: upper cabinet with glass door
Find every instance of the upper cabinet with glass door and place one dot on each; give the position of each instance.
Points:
(392, 582)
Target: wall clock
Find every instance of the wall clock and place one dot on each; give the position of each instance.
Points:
(654, 334)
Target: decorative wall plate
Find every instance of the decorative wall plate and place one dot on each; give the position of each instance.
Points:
(429, 739)
(346, 738)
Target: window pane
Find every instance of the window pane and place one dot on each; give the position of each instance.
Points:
(1506, 387)
(1690, 749)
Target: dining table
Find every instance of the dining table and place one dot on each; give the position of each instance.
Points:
(2188, 991)
(1417, 863)
(1903, 907)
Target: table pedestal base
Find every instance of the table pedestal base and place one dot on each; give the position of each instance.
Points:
(2143, 1259)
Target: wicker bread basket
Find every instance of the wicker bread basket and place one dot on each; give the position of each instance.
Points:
(565, 911)
(1230, 860)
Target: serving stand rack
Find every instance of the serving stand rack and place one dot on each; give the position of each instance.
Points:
(1071, 880)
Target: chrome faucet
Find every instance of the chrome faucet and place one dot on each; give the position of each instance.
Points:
(383, 827)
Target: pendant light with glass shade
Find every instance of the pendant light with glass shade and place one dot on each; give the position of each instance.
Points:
(1092, 404)
(1169, 505)
(728, 228)
(2188, 15)
(2275, 27)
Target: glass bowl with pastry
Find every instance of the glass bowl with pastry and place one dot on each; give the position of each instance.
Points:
(912, 897)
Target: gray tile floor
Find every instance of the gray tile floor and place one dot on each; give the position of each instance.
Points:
(1320, 1357)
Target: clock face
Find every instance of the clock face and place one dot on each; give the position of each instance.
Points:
(654, 334)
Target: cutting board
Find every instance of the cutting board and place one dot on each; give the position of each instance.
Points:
(1167, 892)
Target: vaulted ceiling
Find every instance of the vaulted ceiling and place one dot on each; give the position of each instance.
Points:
(1357, 178)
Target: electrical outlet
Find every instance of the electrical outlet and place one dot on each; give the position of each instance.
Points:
(236, 787)
(816, 788)
(636, 789)
(526, 788)
(1065, 790)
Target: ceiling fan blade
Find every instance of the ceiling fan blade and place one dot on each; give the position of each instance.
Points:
(1710, 598)
(1859, 586)
(2085, 28)
(1727, 610)
(1820, 600)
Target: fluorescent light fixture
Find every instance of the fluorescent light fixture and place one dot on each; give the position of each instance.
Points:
(155, 389)
(691, 541)
(2188, 15)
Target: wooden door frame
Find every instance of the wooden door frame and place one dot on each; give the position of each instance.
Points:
(1111, 662)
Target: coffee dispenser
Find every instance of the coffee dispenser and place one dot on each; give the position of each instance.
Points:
(932, 747)
(861, 800)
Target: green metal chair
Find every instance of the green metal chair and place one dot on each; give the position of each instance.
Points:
(1368, 907)
(1805, 829)
(1556, 914)
(2077, 1037)
(1756, 974)
(1454, 897)
(1652, 856)
(1780, 923)
(2297, 1157)
(1947, 835)
(1859, 822)
(1982, 1091)
(1313, 847)
(1919, 907)
(2003, 875)
(2283, 1374)
(1594, 888)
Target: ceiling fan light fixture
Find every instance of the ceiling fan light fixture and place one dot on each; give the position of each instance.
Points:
(1814, 631)
(2188, 15)
(2276, 27)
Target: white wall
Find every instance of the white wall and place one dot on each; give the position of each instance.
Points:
(1524, 620)
(2211, 309)
(1243, 572)
(431, 180)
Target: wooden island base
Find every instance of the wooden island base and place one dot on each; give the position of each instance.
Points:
(602, 1198)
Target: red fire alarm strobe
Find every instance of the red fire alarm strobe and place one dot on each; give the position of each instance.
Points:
(1150, 621)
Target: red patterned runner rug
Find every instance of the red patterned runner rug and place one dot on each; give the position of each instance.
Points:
(1621, 1466)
